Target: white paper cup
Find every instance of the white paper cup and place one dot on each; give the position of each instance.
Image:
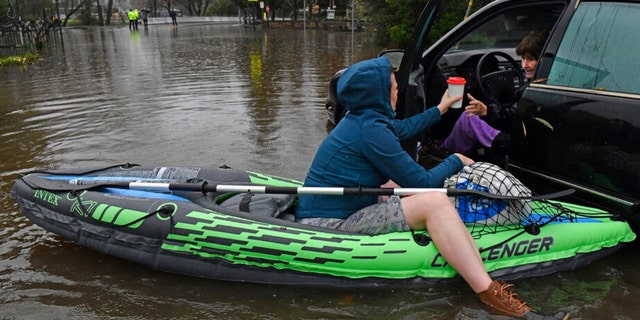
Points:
(456, 88)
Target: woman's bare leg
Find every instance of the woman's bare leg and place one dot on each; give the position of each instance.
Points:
(434, 212)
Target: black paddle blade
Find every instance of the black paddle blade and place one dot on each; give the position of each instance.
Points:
(549, 196)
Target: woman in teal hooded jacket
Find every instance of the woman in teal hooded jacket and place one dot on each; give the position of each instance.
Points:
(364, 150)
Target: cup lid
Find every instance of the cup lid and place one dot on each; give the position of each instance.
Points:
(456, 80)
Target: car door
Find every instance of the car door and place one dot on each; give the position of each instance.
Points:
(497, 27)
(582, 120)
(408, 70)
(409, 75)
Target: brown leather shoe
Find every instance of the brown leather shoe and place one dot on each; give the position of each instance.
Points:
(501, 298)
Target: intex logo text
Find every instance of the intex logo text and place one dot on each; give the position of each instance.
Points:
(47, 196)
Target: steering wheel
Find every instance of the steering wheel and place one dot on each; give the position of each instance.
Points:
(498, 86)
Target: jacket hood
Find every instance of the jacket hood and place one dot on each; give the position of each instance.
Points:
(366, 85)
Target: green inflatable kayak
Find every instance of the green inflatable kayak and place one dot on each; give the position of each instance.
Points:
(235, 225)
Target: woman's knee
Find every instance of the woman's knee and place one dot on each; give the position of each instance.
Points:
(422, 206)
(436, 198)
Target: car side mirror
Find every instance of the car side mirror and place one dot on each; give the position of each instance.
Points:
(394, 56)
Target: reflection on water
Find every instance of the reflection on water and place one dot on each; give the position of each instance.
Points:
(206, 95)
(209, 94)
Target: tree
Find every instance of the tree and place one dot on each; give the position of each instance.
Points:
(13, 11)
(99, 9)
(34, 20)
(225, 7)
(38, 30)
(7, 12)
(32, 9)
(394, 20)
(109, 11)
(196, 7)
(69, 12)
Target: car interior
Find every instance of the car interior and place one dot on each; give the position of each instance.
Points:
(486, 57)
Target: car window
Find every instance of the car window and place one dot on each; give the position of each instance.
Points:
(600, 49)
(507, 29)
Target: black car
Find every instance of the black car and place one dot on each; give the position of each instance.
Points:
(578, 123)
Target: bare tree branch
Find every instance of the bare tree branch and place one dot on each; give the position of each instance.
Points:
(73, 10)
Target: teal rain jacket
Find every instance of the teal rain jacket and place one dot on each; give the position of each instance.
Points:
(364, 149)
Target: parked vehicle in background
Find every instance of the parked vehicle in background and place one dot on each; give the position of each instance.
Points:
(578, 122)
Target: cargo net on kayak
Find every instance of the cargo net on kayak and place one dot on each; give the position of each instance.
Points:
(488, 215)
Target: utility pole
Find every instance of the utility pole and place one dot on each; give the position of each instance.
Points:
(466, 14)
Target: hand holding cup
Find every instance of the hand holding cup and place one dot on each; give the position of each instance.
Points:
(456, 88)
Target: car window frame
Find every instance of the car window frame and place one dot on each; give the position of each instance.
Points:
(553, 62)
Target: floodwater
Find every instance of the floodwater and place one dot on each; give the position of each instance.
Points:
(208, 95)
